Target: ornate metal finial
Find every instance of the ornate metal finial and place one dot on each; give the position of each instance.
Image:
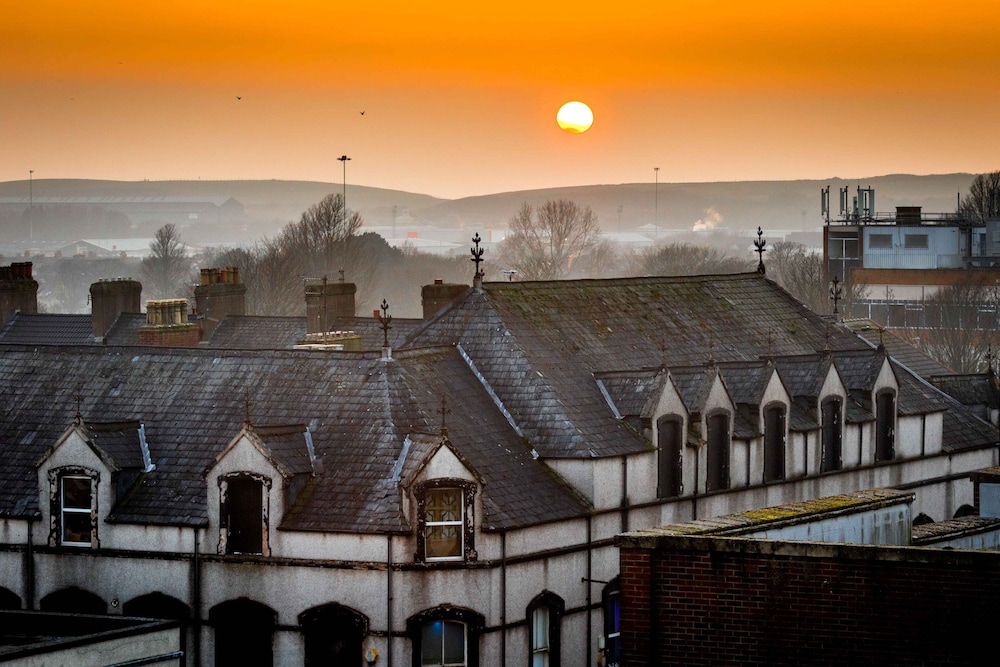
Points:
(78, 417)
(341, 272)
(477, 253)
(444, 414)
(760, 244)
(836, 292)
(246, 408)
(384, 319)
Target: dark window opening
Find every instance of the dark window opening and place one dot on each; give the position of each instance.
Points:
(73, 600)
(157, 605)
(669, 462)
(718, 452)
(774, 443)
(880, 240)
(333, 635)
(9, 599)
(244, 515)
(611, 600)
(833, 436)
(244, 631)
(885, 426)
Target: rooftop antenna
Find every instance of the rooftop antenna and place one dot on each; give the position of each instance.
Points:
(760, 244)
(824, 204)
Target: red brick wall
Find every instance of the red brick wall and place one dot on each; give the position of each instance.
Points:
(182, 336)
(878, 606)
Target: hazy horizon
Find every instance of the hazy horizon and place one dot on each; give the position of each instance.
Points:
(460, 101)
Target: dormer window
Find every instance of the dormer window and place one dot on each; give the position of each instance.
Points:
(243, 509)
(833, 435)
(445, 521)
(73, 506)
(885, 426)
(443, 524)
(76, 498)
(669, 432)
(774, 443)
(717, 477)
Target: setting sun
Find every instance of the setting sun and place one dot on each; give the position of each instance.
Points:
(575, 117)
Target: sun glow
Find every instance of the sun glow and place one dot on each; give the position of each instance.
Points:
(575, 117)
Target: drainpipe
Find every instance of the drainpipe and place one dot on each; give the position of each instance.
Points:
(590, 574)
(694, 496)
(624, 501)
(196, 599)
(29, 570)
(503, 598)
(388, 601)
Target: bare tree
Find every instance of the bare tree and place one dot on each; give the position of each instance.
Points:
(167, 270)
(983, 200)
(800, 271)
(543, 244)
(961, 319)
(684, 259)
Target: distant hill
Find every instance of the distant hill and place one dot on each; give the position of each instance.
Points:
(776, 205)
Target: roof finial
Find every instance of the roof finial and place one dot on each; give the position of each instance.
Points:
(246, 409)
(444, 413)
(78, 417)
(836, 292)
(341, 272)
(477, 255)
(760, 244)
(384, 320)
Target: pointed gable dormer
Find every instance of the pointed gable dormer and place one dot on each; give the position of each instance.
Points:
(86, 473)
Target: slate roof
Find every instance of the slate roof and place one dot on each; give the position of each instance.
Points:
(255, 332)
(192, 403)
(119, 441)
(47, 329)
(898, 348)
(970, 389)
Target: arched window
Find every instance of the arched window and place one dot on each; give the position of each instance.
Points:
(669, 435)
(157, 605)
(9, 599)
(544, 616)
(774, 443)
(833, 435)
(445, 637)
(244, 631)
(73, 600)
(717, 475)
(885, 426)
(333, 635)
(611, 601)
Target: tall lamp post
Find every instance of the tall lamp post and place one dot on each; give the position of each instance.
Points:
(656, 200)
(343, 160)
(31, 206)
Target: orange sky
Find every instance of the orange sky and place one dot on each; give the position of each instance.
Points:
(461, 100)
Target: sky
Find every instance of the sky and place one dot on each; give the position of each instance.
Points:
(460, 98)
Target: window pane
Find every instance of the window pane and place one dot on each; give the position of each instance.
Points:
(444, 505)
(454, 643)
(540, 628)
(430, 643)
(880, 241)
(916, 241)
(76, 527)
(76, 492)
(444, 541)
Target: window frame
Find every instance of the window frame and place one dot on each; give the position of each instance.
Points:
(225, 509)
(57, 507)
(775, 441)
(884, 241)
(717, 470)
(885, 426)
(611, 598)
(916, 241)
(664, 464)
(472, 621)
(556, 608)
(832, 435)
(468, 491)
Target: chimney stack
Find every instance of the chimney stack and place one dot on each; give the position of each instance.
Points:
(327, 301)
(220, 294)
(18, 290)
(167, 325)
(440, 294)
(111, 298)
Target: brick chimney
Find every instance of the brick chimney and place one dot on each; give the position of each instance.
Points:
(18, 290)
(440, 294)
(326, 301)
(167, 325)
(220, 294)
(111, 298)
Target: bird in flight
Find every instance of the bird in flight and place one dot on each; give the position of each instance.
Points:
(238, 97)
(362, 113)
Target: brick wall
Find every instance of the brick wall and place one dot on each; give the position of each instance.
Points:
(688, 601)
(184, 335)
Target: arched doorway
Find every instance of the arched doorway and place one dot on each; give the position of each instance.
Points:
(333, 635)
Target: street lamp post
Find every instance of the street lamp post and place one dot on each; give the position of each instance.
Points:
(656, 200)
(31, 206)
(344, 159)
